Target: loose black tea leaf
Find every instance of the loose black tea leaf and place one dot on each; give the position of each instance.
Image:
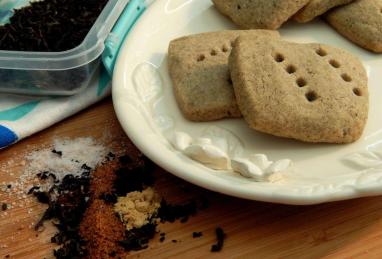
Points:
(138, 238)
(59, 153)
(4, 207)
(110, 156)
(197, 234)
(42, 197)
(170, 212)
(50, 25)
(109, 197)
(43, 175)
(85, 167)
(34, 188)
(220, 235)
(132, 177)
(162, 237)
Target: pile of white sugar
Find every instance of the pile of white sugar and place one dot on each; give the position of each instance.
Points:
(64, 157)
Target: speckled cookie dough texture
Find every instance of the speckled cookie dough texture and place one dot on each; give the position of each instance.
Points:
(316, 8)
(308, 92)
(361, 22)
(198, 66)
(259, 14)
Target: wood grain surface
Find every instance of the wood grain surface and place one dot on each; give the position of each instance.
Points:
(348, 229)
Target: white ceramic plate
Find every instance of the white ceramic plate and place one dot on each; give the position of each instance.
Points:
(146, 108)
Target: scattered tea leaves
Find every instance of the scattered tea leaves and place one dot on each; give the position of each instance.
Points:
(138, 238)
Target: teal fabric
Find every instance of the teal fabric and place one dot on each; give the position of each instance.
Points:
(16, 113)
(21, 116)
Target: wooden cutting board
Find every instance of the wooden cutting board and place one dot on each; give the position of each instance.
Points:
(348, 229)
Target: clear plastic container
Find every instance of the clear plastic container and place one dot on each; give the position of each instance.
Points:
(59, 73)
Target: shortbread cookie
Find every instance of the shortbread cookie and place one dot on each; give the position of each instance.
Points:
(198, 66)
(361, 22)
(317, 7)
(308, 92)
(259, 14)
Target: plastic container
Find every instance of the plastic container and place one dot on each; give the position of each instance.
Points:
(59, 73)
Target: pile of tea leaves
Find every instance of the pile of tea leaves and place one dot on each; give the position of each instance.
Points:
(81, 206)
(67, 203)
(50, 25)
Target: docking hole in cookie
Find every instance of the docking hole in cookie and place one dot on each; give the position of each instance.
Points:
(301, 82)
(201, 58)
(321, 52)
(279, 58)
(357, 92)
(311, 96)
(346, 77)
(334, 63)
(291, 69)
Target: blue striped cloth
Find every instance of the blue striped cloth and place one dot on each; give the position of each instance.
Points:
(22, 116)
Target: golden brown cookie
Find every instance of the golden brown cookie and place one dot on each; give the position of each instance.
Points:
(198, 66)
(361, 22)
(317, 7)
(308, 92)
(259, 14)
